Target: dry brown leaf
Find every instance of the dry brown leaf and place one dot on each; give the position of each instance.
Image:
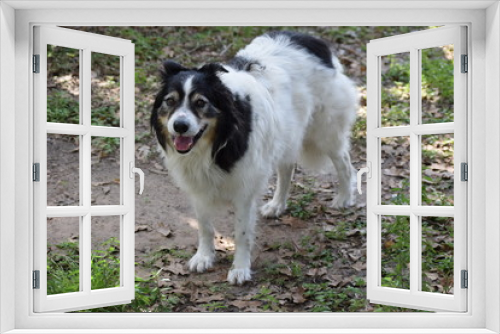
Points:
(99, 184)
(359, 266)
(316, 271)
(177, 269)
(298, 295)
(283, 297)
(165, 232)
(432, 276)
(286, 252)
(293, 222)
(334, 279)
(355, 254)
(143, 228)
(252, 305)
(210, 298)
(285, 271)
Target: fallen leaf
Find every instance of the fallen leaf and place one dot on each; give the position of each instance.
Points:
(286, 252)
(432, 276)
(355, 254)
(99, 184)
(165, 232)
(141, 228)
(242, 304)
(285, 271)
(359, 266)
(334, 279)
(210, 298)
(353, 232)
(106, 190)
(168, 52)
(317, 271)
(294, 223)
(283, 297)
(298, 295)
(177, 269)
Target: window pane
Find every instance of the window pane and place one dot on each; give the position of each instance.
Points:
(395, 99)
(105, 90)
(395, 252)
(395, 170)
(63, 85)
(437, 84)
(63, 255)
(437, 254)
(105, 252)
(63, 170)
(106, 171)
(437, 170)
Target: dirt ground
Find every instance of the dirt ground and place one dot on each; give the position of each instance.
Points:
(166, 230)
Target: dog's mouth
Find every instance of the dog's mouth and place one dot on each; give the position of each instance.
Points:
(184, 144)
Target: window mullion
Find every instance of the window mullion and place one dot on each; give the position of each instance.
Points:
(85, 169)
(415, 173)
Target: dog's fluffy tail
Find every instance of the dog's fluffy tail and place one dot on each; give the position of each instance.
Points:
(336, 64)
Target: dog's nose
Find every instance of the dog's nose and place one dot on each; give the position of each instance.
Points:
(181, 125)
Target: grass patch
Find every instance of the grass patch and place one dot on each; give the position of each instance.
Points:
(63, 276)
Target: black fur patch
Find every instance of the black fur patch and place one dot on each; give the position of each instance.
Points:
(242, 63)
(234, 114)
(233, 133)
(313, 45)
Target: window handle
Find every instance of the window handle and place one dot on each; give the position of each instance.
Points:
(368, 171)
(133, 171)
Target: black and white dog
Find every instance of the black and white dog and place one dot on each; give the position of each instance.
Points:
(224, 129)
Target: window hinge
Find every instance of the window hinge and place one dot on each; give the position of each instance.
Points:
(465, 64)
(36, 279)
(36, 63)
(464, 171)
(36, 172)
(465, 279)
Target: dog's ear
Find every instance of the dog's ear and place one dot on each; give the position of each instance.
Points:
(212, 69)
(171, 68)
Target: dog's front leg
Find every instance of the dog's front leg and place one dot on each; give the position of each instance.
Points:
(244, 239)
(205, 255)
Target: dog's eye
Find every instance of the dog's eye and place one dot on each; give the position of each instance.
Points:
(170, 102)
(200, 103)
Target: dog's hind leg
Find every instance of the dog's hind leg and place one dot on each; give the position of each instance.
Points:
(346, 175)
(205, 255)
(277, 205)
(244, 239)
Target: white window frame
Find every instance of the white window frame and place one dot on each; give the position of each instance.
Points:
(413, 43)
(123, 51)
(16, 214)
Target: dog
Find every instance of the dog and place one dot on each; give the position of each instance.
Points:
(224, 129)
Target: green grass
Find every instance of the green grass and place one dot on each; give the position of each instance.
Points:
(299, 205)
(270, 302)
(63, 276)
(438, 254)
(63, 267)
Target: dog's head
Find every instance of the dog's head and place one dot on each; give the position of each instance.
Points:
(189, 106)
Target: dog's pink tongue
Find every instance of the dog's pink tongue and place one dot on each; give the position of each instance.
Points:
(183, 143)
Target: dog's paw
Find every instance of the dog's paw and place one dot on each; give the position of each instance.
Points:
(200, 262)
(272, 209)
(239, 275)
(341, 202)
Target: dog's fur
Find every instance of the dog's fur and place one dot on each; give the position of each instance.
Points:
(224, 129)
